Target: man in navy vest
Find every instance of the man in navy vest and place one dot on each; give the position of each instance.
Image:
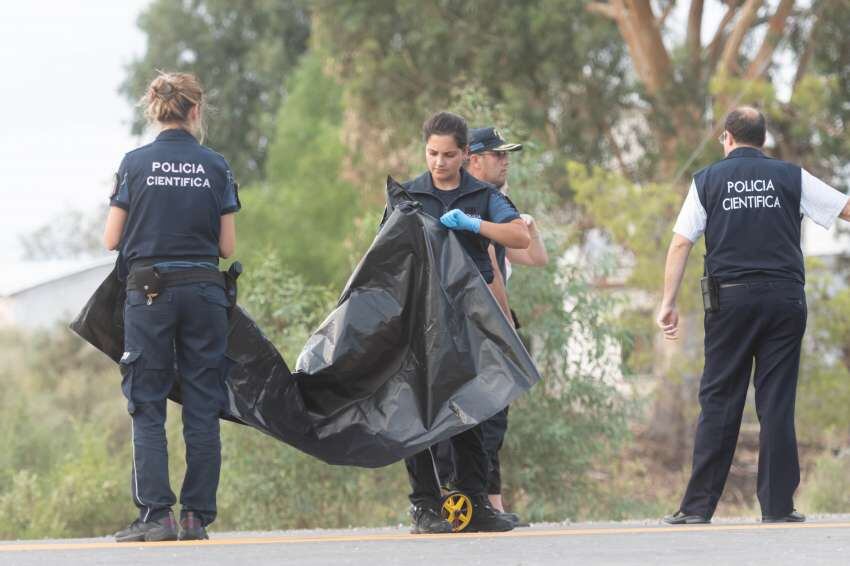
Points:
(750, 208)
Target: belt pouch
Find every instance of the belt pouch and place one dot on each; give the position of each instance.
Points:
(710, 293)
(146, 280)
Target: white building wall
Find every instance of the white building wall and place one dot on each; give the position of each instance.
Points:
(819, 241)
(52, 303)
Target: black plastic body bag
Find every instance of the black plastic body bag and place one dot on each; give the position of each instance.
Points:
(416, 351)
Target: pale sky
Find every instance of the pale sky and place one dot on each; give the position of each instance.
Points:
(64, 127)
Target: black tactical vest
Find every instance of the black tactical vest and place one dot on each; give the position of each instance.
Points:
(473, 199)
(753, 226)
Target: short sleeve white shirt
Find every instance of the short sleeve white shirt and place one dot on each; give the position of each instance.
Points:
(692, 218)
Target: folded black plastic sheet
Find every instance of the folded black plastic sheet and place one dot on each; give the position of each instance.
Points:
(415, 352)
(101, 322)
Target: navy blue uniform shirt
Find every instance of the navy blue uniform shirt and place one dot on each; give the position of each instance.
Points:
(474, 197)
(175, 191)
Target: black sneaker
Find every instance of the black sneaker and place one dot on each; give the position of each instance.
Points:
(191, 527)
(149, 531)
(512, 517)
(792, 517)
(486, 519)
(679, 518)
(428, 520)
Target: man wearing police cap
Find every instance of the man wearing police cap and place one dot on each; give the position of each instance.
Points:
(750, 208)
(489, 159)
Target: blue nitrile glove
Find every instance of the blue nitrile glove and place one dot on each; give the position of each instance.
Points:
(456, 219)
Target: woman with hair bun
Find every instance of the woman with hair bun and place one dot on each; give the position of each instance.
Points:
(171, 217)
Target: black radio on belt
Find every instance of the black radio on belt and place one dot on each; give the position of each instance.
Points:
(710, 293)
(710, 288)
(230, 286)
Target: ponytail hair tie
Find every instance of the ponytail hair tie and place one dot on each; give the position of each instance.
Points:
(164, 91)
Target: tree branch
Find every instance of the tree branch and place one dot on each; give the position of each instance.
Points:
(809, 49)
(646, 44)
(615, 147)
(642, 36)
(728, 61)
(663, 17)
(694, 37)
(603, 9)
(717, 41)
(775, 31)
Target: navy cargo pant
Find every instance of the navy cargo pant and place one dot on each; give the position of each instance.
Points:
(470, 465)
(757, 323)
(186, 324)
(493, 432)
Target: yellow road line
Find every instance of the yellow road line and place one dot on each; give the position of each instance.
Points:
(521, 533)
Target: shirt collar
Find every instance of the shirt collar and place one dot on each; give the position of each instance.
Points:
(468, 184)
(745, 151)
(175, 134)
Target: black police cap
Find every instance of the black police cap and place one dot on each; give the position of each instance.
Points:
(489, 139)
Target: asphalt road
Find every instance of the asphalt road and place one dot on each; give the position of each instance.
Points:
(823, 540)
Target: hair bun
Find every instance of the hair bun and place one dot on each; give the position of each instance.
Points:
(164, 90)
(170, 98)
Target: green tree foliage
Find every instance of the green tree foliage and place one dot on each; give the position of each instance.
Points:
(690, 80)
(307, 210)
(824, 390)
(64, 439)
(635, 230)
(567, 425)
(828, 487)
(242, 51)
(558, 70)
(820, 118)
(286, 307)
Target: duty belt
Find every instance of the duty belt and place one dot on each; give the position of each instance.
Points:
(150, 281)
